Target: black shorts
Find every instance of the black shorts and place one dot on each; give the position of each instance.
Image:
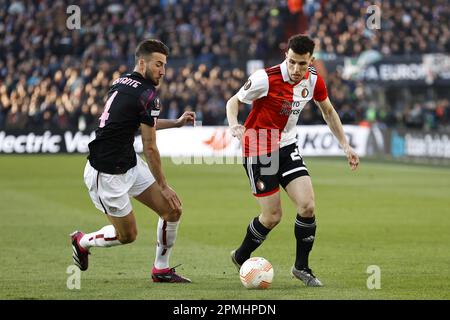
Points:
(267, 172)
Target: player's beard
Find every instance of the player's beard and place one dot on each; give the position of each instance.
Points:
(148, 75)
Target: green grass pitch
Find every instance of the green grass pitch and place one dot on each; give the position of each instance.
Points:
(394, 216)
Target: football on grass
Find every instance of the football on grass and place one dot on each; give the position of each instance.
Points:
(256, 273)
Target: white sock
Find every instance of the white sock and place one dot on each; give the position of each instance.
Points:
(105, 237)
(166, 234)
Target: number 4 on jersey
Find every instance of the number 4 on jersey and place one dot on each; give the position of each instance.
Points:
(105, 114)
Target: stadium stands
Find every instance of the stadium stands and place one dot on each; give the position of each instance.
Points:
(55, 78)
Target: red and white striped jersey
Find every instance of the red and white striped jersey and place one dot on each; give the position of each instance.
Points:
(276, 105)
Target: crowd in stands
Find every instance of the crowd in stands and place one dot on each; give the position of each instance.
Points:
(405, 27)
(52, 77)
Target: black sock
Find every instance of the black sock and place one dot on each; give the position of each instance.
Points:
(305, 231)
(256, 234)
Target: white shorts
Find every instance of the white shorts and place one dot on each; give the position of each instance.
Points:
(111, 193)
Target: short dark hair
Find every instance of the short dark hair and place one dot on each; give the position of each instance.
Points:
(301, 44)
(147, 47)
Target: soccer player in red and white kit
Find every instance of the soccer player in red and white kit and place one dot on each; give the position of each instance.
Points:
(271, 156)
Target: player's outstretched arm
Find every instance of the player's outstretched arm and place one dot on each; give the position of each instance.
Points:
(237, 130)
(334, 123)
(151, 153)
(188, 117)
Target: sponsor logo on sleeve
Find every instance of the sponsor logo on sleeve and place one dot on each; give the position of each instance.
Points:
(157, 104)
(248, 84)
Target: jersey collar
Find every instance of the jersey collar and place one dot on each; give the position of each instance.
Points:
(138, 75)
(285, 74)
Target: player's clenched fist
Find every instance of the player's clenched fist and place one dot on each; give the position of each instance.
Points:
(352, 157)
(188, 117)
(237, 131)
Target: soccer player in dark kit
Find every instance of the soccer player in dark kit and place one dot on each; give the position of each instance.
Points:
(114, 172)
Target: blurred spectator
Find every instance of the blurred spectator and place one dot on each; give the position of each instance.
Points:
(413, 116)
